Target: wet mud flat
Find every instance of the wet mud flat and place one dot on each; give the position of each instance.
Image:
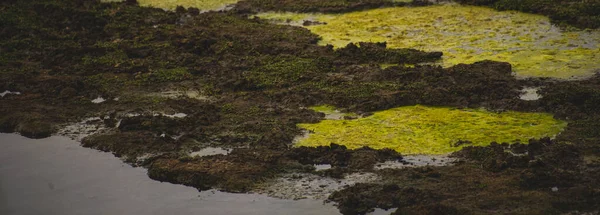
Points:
(176, 83)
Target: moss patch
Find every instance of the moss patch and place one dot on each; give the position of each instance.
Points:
(431, 130)
(465, 34)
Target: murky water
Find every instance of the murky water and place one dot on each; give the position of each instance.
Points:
(57, 176)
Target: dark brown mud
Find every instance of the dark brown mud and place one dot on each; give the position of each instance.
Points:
(244, 84)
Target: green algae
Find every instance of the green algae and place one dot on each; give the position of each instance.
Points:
(465, 34)
(200, 4)
(430, 130)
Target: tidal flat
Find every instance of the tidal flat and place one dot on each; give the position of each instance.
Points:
(226, 96)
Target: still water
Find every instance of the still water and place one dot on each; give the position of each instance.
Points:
(57, 176)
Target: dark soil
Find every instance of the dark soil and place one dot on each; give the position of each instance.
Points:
(256, 80)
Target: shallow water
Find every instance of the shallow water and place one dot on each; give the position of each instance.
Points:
(411, 161)
(57, 176)
(310, 186)
(208, 151)
(98, 100)
(530, 94)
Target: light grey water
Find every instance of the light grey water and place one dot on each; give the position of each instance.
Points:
(57, 176)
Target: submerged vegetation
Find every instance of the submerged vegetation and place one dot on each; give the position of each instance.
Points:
(465, 35)
(429, 130)
(153, 86)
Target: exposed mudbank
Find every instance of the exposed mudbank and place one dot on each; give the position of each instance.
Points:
(244, 84)
(530, 43)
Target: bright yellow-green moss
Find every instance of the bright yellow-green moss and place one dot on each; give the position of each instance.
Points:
(430, 130)
(465, 34)
(200, 4)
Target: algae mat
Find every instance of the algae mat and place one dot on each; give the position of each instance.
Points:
(431, 130)
(200, 4)
(465, 34)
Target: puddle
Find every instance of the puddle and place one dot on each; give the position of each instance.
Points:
(409, 161)
(176, 115)
(465, 34)
(6, 92)
(319, 167)
(57, 176)
(173, 94)
(208, 151)
(98, 100)
(309, 186)
(332, 113)
(430, 130)
(530, 94)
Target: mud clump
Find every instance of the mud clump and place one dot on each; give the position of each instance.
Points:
(130, 145)
(244, 168)
(339, 156)
(229, 174)
(362, 198)
(377, 52)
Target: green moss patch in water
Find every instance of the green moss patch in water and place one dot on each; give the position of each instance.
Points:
(200, 4)
(465, 34)
(430, 130)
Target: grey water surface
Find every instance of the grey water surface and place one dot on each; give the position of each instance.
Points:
(57, 176)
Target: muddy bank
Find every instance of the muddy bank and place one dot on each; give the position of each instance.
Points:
(244, 84)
